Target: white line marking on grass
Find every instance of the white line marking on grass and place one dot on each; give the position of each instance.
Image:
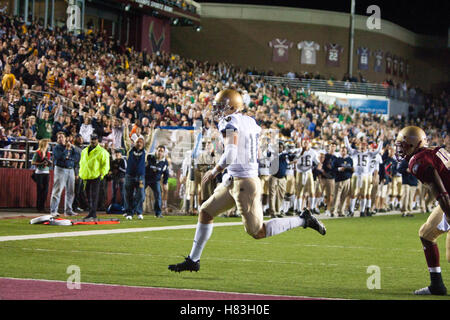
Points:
(109, 231)
(228, 259)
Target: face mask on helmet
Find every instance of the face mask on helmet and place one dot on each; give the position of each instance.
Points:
(401, 150)
(220, 108)
(409, 141)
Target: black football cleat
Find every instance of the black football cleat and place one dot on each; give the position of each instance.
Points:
(312, 222)
(187, 265)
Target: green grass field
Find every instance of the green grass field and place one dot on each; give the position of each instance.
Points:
(299, 262)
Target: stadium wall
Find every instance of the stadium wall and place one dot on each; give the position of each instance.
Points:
(18, 190)
(240, 34)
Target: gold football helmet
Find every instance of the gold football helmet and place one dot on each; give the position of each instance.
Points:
(409, 141)
(227, 102)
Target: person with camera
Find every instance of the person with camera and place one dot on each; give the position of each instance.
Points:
(41, 160)
(64, 157)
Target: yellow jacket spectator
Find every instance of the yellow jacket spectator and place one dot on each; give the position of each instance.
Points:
(94, 162)
(94, 166)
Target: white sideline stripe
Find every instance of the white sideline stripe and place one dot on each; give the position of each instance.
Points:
(176, 289)
(109, 231)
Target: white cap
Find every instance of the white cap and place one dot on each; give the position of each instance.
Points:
(136, 137)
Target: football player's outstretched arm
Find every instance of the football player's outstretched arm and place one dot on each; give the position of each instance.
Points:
(126, 136)
(380, 146)
(439, 190)
(351, 151)
(228, 156)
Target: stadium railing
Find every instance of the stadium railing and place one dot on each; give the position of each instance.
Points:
(346, 87)
(23, 147)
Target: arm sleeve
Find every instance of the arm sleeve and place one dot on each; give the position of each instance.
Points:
(58, 153)
(166, 174)
(378, 150)
(126, 138)
(348, 146)
(229, 155)
(150, 139)
(105, 167)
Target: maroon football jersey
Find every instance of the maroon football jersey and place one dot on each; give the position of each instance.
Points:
(438, 158)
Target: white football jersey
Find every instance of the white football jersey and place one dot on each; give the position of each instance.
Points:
(307, 160)
(290, 168)
(361, 163)
(361, 160)
(186, 164)
(246, 163)
(374, 163)
(265, 162)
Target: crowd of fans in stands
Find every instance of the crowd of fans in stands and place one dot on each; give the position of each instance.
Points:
(81, 84)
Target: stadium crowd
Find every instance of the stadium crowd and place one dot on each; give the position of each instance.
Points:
(86, 84)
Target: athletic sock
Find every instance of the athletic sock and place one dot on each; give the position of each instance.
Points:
(431, 251)
(313, 203)
(369, 204)
(395, 202)
(291, 202)
(202, 234)
(352, 204)
(300, 204)
(363, 204)
(279, 225)
(285, 206)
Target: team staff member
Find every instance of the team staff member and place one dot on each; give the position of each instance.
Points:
(318, 175)
(94, 166)
(390, 165)
(344, 172)
(328, 177)
(277, 182)
(409, 186)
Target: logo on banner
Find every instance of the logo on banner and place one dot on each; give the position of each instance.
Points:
(156, 43)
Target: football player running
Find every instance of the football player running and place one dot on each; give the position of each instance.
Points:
(432, 167)
(241, 186)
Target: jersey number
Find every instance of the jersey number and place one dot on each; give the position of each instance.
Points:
(444, 155)
(306, 161)
(253, 147)
(362, 161)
